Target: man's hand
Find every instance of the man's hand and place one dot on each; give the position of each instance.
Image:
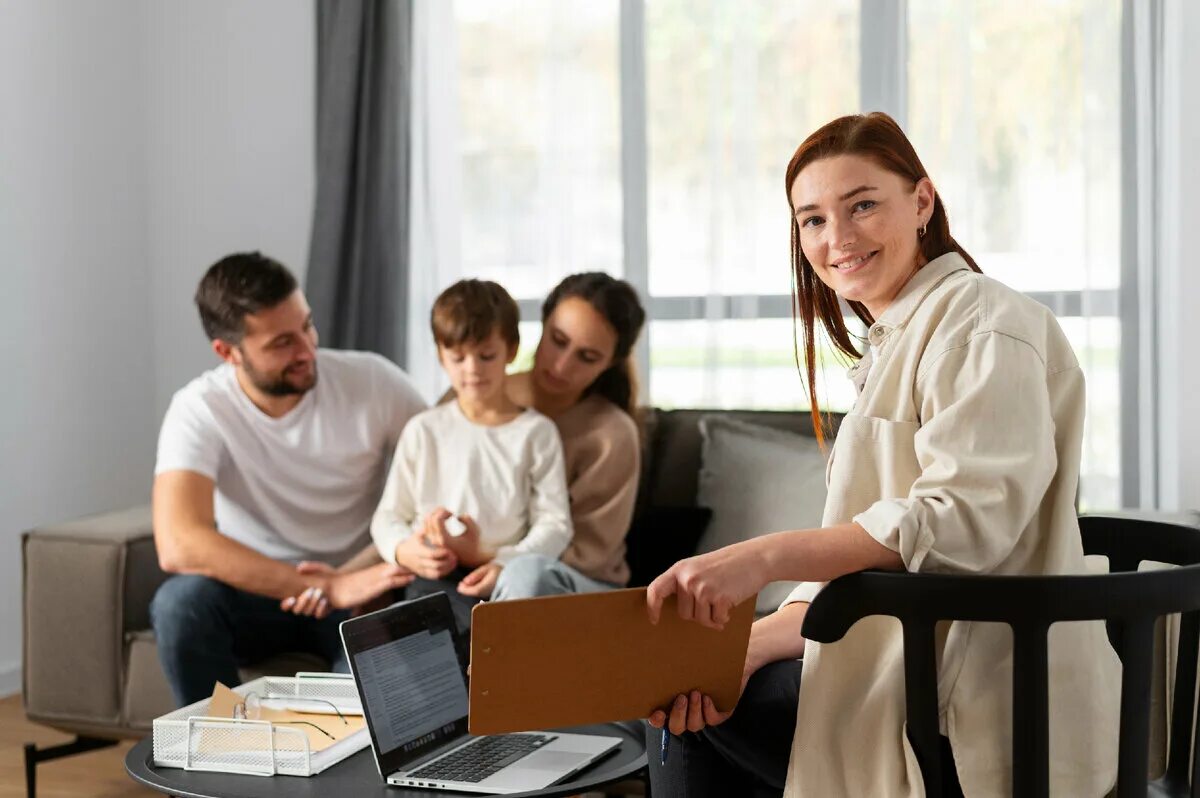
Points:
(482, 581)
(334, 590)
(312, 602)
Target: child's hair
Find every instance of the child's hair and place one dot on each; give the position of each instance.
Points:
(468, 312)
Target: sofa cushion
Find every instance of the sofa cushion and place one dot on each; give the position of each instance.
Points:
(758, 480)
(660, 537)
(675, 463)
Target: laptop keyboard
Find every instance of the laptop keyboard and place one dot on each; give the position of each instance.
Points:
(477, 760)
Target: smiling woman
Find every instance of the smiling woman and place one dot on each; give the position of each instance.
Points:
(961, 455)
(857, 191)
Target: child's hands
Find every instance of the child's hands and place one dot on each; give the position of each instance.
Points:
(467, 546)
(433, 527)
(482, 581)
(425, 552)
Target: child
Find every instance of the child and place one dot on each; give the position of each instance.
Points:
(477, 480)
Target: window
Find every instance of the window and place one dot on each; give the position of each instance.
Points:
(578, 114)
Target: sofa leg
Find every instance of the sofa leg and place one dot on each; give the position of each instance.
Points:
(34, 755)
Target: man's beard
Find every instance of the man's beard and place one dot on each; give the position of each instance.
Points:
(279, 384)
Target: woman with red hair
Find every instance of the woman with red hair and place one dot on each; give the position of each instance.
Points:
(961, 455)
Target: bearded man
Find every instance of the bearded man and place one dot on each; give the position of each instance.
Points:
(269, 469)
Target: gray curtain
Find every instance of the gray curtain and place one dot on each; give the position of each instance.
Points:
(357, 281)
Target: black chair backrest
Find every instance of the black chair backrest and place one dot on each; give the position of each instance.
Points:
(1128, 600)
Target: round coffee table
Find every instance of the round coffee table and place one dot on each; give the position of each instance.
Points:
(357, 775)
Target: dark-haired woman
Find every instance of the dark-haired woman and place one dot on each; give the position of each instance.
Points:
(584, 379)
(961, 455)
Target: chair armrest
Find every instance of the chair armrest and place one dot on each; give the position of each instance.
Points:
(86, 583)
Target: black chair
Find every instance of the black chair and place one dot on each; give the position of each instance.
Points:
(1130, 602)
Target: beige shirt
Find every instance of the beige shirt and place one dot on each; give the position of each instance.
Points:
(962, 455)
(601, 447)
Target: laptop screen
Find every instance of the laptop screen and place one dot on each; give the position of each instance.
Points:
(410, 677)
(413, 689)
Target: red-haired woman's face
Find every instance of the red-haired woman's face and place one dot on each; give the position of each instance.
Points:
(858, 227)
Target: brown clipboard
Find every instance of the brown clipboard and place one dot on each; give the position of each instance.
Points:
(548, 663)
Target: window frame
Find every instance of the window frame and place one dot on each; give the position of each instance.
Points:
(883, 77)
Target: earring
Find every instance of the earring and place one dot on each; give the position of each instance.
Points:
(921, 232)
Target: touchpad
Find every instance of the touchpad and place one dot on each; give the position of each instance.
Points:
(551, 760)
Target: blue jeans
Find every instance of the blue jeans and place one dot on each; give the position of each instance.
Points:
(524, 576)
(530, 575)
(207, 629)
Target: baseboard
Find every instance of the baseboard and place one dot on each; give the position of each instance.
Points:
(10, 679)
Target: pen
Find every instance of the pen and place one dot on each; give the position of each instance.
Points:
(662, 747)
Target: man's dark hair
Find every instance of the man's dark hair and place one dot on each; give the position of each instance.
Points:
(236, 285)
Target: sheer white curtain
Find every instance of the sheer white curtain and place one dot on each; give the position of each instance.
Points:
(1018, 119)
(516, 152)
(435, 217)
(732, 90)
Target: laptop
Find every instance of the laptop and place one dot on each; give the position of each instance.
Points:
(410, 670)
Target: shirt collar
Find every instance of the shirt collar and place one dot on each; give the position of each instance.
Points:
(916, 289)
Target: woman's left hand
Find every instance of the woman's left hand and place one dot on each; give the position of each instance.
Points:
(482, 581)
(709, 586)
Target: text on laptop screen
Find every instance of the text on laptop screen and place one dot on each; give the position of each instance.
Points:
(413, 688)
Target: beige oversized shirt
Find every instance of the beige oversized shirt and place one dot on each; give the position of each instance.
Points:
(962, 455)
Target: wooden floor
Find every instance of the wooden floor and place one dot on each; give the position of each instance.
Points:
(97, 774)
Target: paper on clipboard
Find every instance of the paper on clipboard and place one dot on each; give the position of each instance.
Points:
(560, 661)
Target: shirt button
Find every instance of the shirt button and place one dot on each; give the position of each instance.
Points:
(875, 335)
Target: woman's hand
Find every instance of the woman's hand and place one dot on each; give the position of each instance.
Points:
(482, 581)
(694, 711)
(709, 586)
(312, 602)
(343, 590)
(773, 638)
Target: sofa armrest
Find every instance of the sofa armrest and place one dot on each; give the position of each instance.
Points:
(86, 583)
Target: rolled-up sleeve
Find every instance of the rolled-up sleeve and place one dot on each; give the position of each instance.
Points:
(803, 593)
(986, 451)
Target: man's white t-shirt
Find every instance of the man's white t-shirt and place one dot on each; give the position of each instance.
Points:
(303, 486)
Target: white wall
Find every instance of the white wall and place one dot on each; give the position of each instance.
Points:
(141, 140)
(76, 406)
(230, 126)
(1179, 277)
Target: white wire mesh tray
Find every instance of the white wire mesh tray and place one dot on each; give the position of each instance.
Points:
(187, 738)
